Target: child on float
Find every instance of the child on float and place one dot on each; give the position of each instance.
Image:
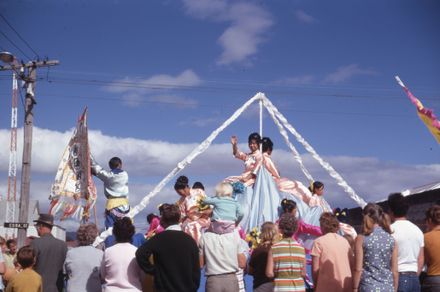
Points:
(115, 189)
(317, 199)
(194, 220)
(226, 212)
(155, 227)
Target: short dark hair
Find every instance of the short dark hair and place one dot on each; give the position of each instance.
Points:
(26, 256)
(288, 224)
(181, 183)
(267, 144)
(169, 215)
(329, 223)
(115, 162)
(10, 241)
(398, 204)
(255, 136)
(198, 185)
(315, 186)
(123, 230)
(150, 217)
(288, 205)
(86, 234)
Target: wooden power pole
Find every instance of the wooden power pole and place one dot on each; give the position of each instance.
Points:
(29, 76)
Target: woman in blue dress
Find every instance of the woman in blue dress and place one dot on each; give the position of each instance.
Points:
(260, 189)
(375, 253)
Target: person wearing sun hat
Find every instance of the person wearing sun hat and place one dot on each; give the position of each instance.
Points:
(50, 253)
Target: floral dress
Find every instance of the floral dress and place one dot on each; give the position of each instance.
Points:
(376, 274)
(194, 221)
(252, 162)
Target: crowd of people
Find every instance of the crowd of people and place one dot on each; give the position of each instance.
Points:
(202, 238)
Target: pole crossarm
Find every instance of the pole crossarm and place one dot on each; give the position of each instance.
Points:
(31, 64)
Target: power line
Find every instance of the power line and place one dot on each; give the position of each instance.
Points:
(16, 32)
(285, 109)
(15, 45)
(162, 86)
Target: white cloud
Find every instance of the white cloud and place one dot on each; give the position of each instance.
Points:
(136, 91)
(148, 161)
(247, 25)
(345, 73)
(303, 17)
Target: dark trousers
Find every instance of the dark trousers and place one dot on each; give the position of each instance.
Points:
(431, 284)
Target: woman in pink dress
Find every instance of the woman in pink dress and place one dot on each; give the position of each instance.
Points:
(194, 221)
(252, 160)
(285, 185)
(317, 199)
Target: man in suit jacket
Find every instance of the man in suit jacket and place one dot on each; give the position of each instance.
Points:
(50, 253)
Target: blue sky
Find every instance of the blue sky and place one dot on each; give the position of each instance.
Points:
(159, 76)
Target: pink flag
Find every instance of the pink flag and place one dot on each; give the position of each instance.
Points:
(425, 114)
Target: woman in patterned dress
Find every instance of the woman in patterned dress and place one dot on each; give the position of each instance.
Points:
(375, 253)
(286, 261)
(194, 221)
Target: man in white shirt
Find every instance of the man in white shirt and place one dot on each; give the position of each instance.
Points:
(410, 244)
(223, 256)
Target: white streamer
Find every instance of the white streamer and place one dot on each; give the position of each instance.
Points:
(182, 164)
(279, 120)
(283, 133)
(341, 182)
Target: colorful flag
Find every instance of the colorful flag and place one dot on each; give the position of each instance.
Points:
(73, 194)
(425, 114)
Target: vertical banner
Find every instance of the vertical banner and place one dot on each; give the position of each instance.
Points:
(73, 193)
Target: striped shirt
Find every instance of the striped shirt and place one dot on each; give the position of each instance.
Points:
(289, 262)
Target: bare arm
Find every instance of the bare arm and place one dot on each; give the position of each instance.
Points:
(241, 261)
(420, 260)
(269, 265)
(394, 267)
(2, 268)
(359, 259)
(315, 269)
(234, 145)
(202, 261)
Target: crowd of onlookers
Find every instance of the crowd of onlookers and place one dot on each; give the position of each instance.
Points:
(198, 239)
(389, 254)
